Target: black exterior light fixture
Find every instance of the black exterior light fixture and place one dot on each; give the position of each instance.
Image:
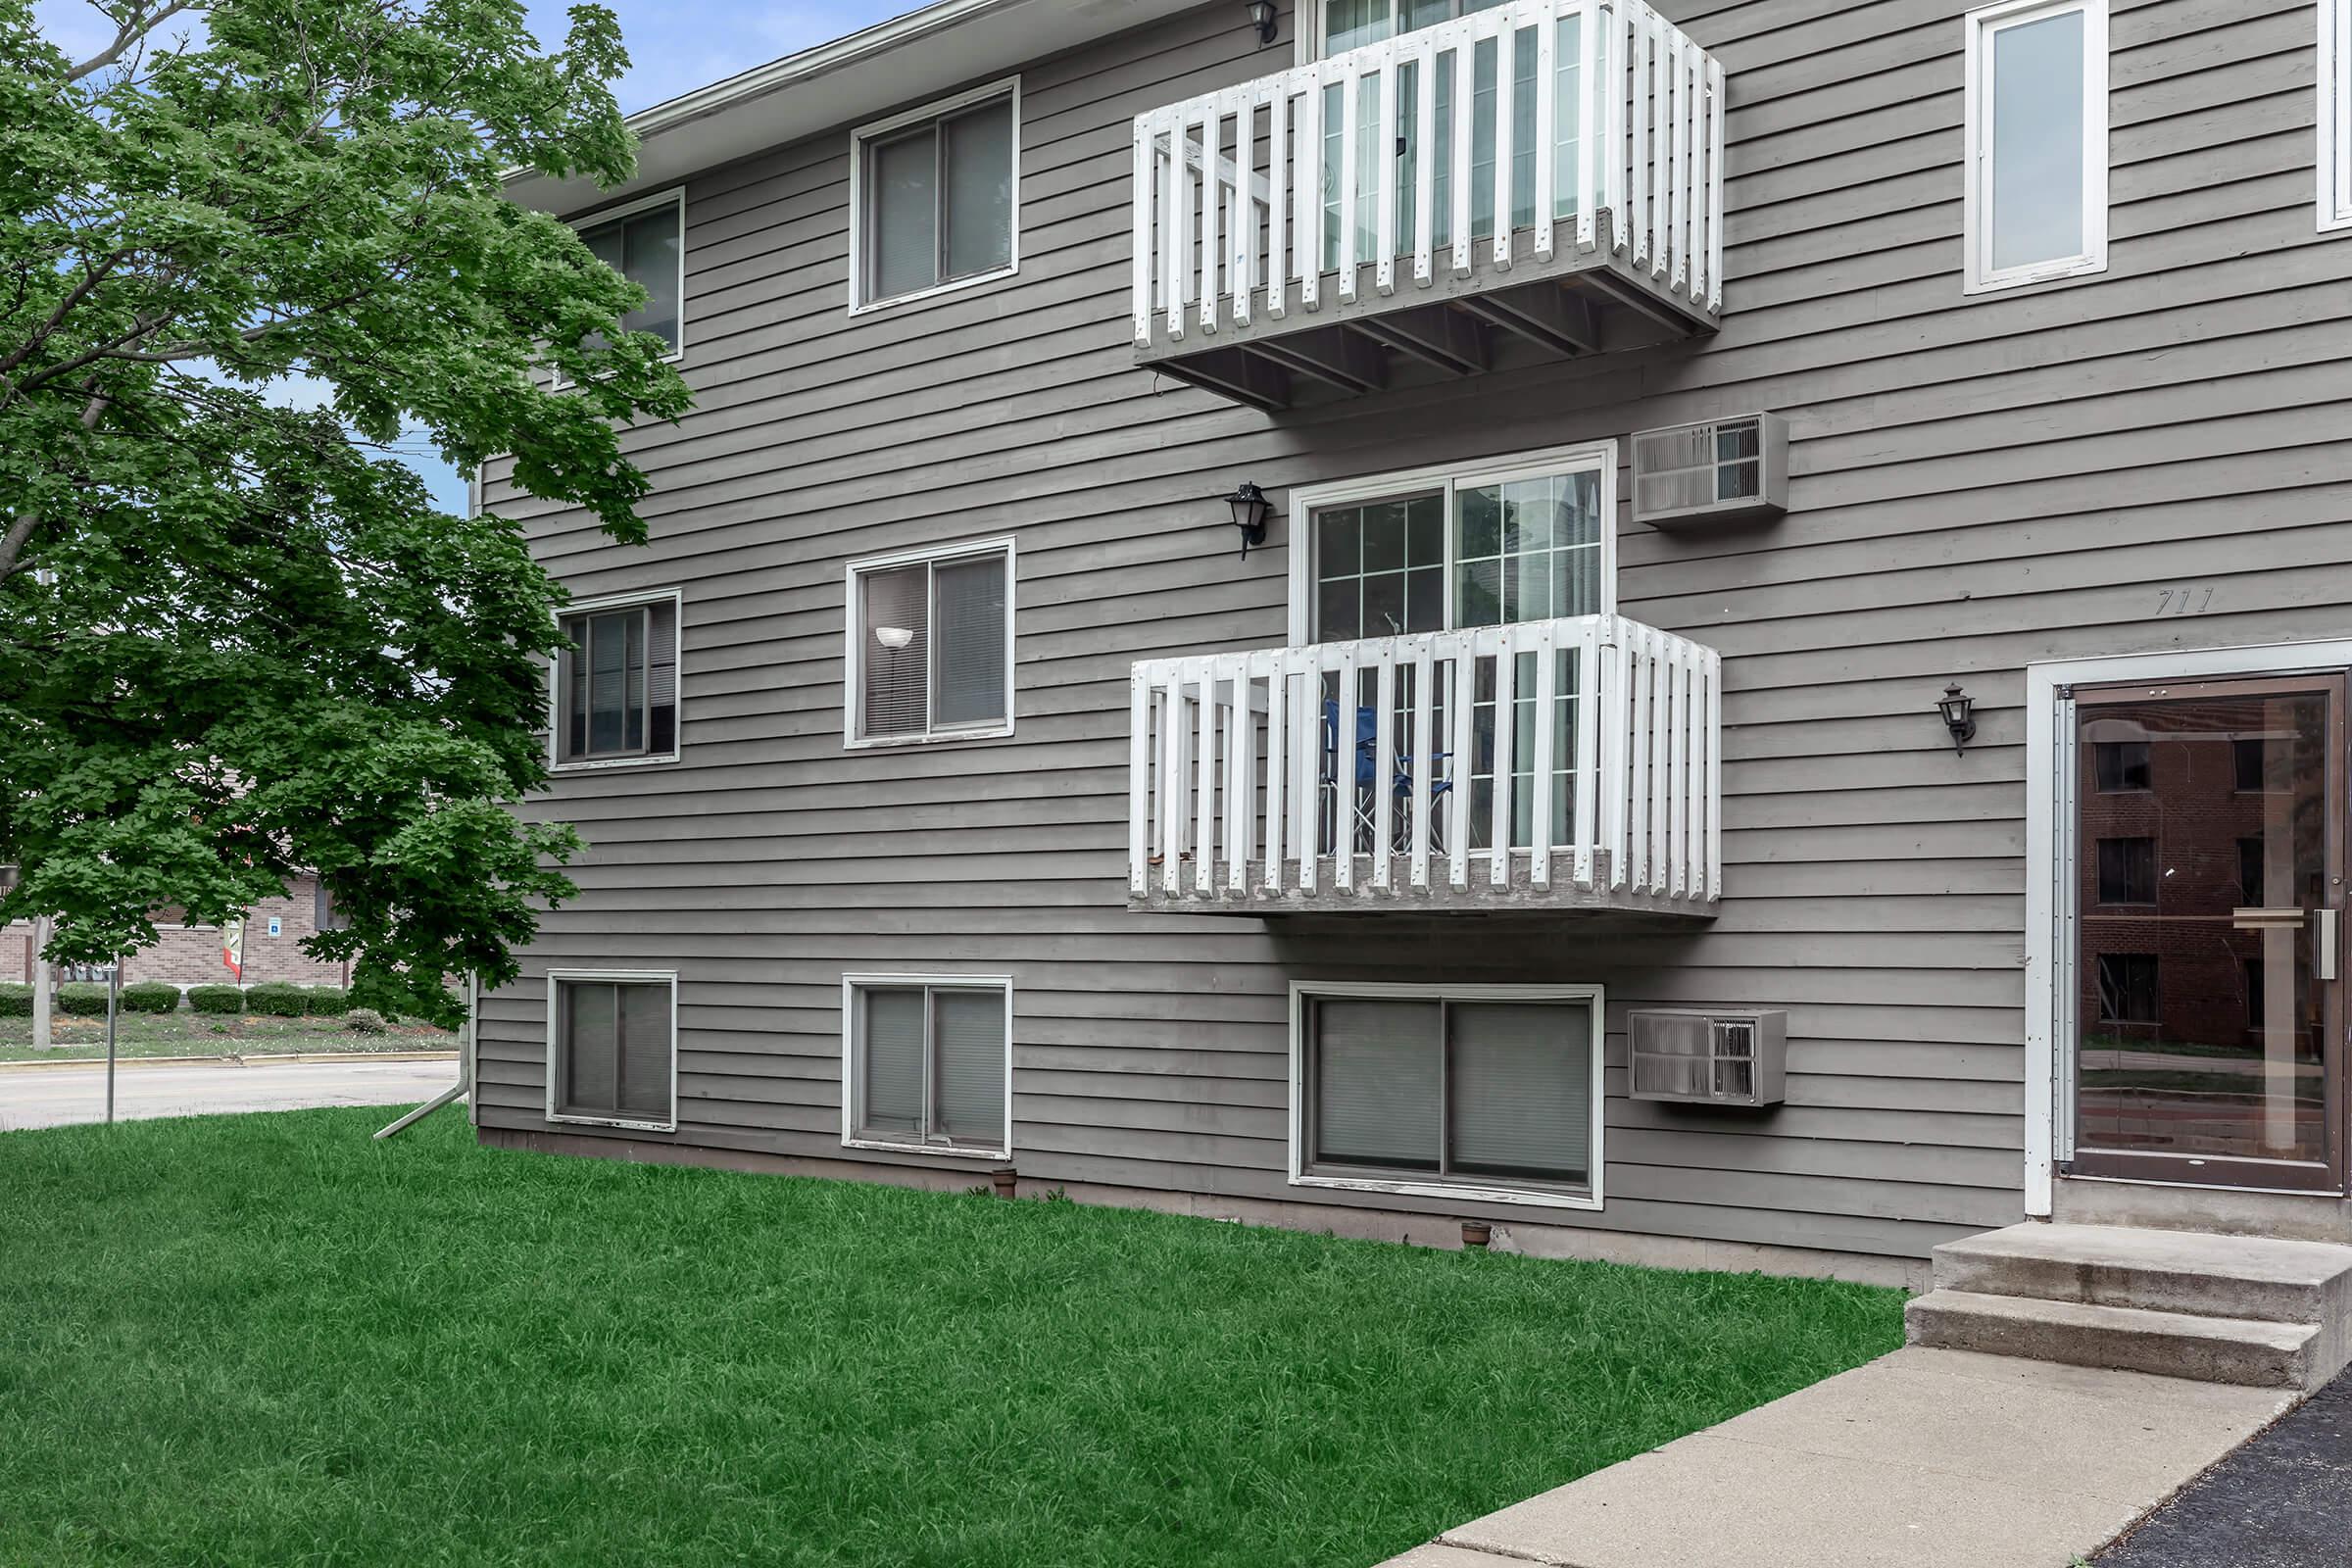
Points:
(1959, 715)
(1249, 508)
(1261, 17)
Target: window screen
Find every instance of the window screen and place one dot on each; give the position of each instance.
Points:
(939, 200)
(618, 685)
(646, 249)
(614, 1049)
(928, 1064)
(1469, 1089)
(932, 652)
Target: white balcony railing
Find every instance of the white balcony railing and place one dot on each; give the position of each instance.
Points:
(1379, 769)
(1242, 192)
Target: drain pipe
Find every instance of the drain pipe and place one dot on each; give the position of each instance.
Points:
(464, 1082)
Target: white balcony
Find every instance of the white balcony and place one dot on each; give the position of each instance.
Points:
(1293, 241)
(1365, 776)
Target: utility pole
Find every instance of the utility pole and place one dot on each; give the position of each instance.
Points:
(42, 994)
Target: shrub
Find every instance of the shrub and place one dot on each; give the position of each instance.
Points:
(364, 1021)
(277, 1000)
(81, 999)
(151, 995)
(217, 999)
(326, 1002)
(15, 1000)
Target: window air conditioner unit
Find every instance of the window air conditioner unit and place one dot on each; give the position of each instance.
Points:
(1723, 1056)
(1721, 470)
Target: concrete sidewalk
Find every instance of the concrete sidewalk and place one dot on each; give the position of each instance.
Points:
(1923, 1460)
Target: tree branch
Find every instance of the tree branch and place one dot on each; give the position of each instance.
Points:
(20, 530)
(136, 27)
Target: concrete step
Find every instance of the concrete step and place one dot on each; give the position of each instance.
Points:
(2178, 1345)
(2159, 1271)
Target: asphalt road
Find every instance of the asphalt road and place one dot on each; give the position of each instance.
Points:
(55, 1097)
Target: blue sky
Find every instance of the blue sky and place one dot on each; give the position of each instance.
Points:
(674, 46)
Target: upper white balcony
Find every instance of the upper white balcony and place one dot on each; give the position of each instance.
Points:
(1293, 243)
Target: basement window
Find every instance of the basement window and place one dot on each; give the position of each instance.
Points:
(927, 1062)
(612, 1048)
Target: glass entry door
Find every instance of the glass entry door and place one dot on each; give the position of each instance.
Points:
(2208, 863)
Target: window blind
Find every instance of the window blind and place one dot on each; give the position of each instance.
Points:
(1519, 1100)
(644, 1051)
(895, 610)
(588, 1081)
(970, 1045)
(1377, 1066)
(893, 1065)
(970, 668)
(615, 1045)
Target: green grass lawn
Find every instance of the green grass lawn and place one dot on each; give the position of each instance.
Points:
(196, 1034)
(264, 1340)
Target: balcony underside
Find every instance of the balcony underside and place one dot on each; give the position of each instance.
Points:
(1565, 307)
(1520, 895)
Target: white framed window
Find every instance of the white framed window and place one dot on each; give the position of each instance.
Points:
(2036, 207)
(926, 1063)
(1486, 1092)
(616, 689)
(929, 654)
(1526, 537)
(612, 1047)
(2335, 114)
(935, 198)
(645, 242)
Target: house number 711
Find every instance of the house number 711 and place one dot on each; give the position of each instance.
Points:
(2190, 601)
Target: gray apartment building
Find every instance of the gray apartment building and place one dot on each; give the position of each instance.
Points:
(1714, 635)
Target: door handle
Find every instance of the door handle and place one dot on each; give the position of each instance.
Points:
(2324, 945)
(2277, 917)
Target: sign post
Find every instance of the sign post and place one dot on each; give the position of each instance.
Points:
(114, 992)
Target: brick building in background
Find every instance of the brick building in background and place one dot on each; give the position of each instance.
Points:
(190, 955)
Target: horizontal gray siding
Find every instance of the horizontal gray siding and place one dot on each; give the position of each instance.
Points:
(1975, 484)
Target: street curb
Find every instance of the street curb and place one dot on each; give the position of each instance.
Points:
(52, 1064)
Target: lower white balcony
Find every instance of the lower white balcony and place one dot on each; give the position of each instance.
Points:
(1374, 775)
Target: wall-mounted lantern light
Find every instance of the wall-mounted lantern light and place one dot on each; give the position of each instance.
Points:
(1261, 17)
(1959, 717)
(1249, 508)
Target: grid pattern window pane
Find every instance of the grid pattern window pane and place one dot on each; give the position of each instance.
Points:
(1468, 1089)
(1528, 550)
(970, 657)
(614, 1049)
(1377, 1068)
(645, 249)
(1519, 1100)
(895, 657)
(940, 201)
(893, 1064)
(2120, 765)
(2037, 147)
(1380, 569)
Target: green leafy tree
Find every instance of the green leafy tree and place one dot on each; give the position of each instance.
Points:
(237, 638)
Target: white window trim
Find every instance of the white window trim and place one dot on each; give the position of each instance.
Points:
(854, 644)
(859, 304)
(555, 978)
(2049, 855)
(851, 985)
(674, 196)
(1979, 274)
(1302, 991)
(1304, 498)
(2334, 120)
(555, 692)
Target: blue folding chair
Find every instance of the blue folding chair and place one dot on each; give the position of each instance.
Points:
(1365, 821)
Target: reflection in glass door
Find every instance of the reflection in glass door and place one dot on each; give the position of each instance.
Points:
(2207, 880)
